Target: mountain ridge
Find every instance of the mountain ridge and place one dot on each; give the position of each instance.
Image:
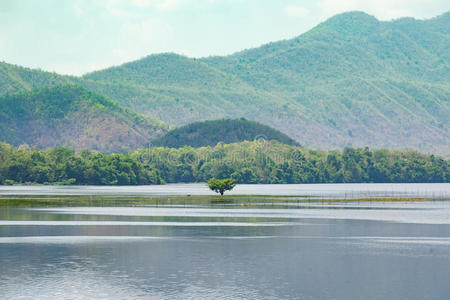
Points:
(350, 81)
(69, 115)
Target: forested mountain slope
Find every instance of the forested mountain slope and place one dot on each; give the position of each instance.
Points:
(352, 80)
(210, 133)
(68, 115)
(180, 90)
(14, 79)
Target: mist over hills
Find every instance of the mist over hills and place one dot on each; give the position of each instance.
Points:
(350, 81)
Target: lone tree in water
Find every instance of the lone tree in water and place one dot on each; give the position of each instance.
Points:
(220, 186)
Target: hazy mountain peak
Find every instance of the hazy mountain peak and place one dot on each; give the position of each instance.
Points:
(349, 23)
(441, 23)
(444, 16)
(352, 16)
(161, 57)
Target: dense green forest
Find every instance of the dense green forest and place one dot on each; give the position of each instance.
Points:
(62, 166)
(209, 133)
(246, 162)
(69, 115)
(350, 81)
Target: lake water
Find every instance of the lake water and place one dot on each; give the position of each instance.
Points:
(432, 190)
(304, 250)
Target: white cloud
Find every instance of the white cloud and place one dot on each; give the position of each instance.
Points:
(142, 3)
(78, 9)
(170, 4)
(116, 8)
(136, 40)
(159, 4)
(296, 11)
(75, 68)
(122, 8)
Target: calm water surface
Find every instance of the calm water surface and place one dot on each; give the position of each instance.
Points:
(362, 250)
(432, 190)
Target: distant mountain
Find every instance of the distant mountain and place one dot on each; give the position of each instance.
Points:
(14, 79)
(68, 115)
(210, 133)
(180, 90)
(350, 81)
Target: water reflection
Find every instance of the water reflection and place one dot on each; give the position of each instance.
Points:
(348, 190)
(365, 251)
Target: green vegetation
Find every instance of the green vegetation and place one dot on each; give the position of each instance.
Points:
(275, 201)
(350, 81)
(62, 166)
(271, 162)
(246, 162)
(209, 133)
(70, 115)
(14, 79)
(221, 185)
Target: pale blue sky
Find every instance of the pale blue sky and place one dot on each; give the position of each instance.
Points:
(78, 36)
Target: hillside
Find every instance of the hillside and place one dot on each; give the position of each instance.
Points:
(350, 81)
(68, 115)
(14, 79)
(180, 90)
(210, 133)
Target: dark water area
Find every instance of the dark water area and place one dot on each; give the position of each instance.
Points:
(381, 250)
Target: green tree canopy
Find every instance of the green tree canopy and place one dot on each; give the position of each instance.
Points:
(221, 185)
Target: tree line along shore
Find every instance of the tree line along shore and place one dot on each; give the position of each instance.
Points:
(246, 162)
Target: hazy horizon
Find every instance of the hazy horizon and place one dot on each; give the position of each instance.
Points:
(80, 36)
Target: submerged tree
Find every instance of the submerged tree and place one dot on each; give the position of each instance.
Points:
(220, 186)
